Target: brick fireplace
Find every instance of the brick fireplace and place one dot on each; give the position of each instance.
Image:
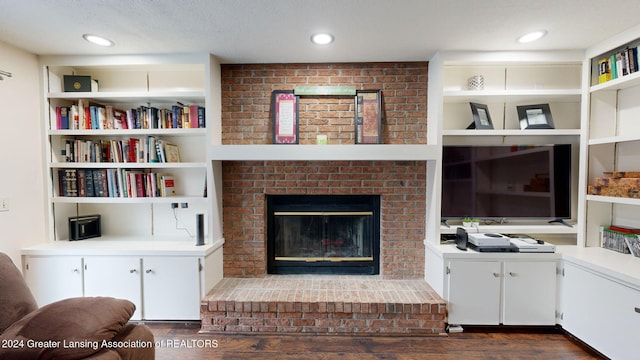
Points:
(401, 185)
(398, 300)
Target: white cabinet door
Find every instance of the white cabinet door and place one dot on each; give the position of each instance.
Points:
(53, 278)
(601, 312)
(114, 276)
(171, 288)
(474, 292)
(529, 293)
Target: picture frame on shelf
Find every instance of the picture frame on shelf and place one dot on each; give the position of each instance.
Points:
(481, 117)
(535, 116)
(368, 117)
(284, 116)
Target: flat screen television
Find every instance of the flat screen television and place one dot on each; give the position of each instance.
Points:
(506, 182)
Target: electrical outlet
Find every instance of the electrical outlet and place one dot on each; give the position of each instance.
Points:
(174, 205)
(184, 205)
(4, 204)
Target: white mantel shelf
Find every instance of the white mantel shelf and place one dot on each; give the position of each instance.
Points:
(388, 152)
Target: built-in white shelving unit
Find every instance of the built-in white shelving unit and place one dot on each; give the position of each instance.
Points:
(510, 79)
(148, 239)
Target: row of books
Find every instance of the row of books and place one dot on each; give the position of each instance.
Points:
(622, 239)
(114, 183)
(86, 116)
(148, 149)
(618, 64)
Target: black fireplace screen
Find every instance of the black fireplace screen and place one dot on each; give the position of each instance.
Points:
(323, 234)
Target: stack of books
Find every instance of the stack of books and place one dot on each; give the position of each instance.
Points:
(622, 239)
(618, 64)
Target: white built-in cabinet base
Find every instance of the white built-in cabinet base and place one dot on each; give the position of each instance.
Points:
(494, 288)
(599, 305)
(593, 293)
(165, 281)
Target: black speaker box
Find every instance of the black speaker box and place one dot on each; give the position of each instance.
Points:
(84, 227)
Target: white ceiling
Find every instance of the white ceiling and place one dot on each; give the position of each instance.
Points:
(267, 31)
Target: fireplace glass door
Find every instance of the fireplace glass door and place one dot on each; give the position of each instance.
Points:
(335, 241)
(323, 236)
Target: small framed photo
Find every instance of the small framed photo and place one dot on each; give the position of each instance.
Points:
(368, 117)
(481, 117)
(284, 115)
(535, 116)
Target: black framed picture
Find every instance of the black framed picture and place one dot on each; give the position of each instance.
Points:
(481, 117)
(284, 113)
(368, 117)
(535, 116)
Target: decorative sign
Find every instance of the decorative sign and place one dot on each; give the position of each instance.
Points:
(368, 117)
(325, 90)
(284, 112)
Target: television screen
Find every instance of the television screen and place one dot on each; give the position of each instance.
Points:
(506, 182)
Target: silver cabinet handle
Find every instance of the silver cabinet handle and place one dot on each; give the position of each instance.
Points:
(512, 273)
(149, 271)
(638, 310)
(76, 271)
(496, 274)
(133, 271)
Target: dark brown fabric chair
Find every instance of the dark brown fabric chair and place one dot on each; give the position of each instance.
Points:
(75, 328)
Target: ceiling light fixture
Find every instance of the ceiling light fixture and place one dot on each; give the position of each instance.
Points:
(533, 36)
(322, 39)
(98, 40)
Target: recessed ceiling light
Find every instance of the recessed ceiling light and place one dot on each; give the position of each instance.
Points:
(533, 36)
(322, 39)
(98, 40)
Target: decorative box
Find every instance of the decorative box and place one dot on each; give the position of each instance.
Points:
(77, 83)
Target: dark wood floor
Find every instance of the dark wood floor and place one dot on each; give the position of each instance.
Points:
(182, 341)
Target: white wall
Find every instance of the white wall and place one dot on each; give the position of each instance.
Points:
(21, 153)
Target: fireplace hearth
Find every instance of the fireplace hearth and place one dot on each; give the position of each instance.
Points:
(323, 234)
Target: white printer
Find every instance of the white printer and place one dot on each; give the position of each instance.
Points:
(490, 242)
(488, 239)
(528, 244)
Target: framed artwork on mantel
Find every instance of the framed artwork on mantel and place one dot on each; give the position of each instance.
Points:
(284, 115)
(368, 120)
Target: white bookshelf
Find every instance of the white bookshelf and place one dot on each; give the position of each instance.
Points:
(126, 82)
(147, 242)
(614, 137)
(510, 79)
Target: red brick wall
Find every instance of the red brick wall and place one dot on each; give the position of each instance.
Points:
(246, 94)
(401, 185)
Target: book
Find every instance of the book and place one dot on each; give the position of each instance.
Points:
(82, 183)
(176, 116)
(633, 243)
(132, 155)
(604, 70)
(196, 116)
(171, 152)
(624, 229)
(89, 183)
(614, 240)
(160, 151)
(614, 66)
(167, 185)
(201, 117)
(153, 149)
(67, 181)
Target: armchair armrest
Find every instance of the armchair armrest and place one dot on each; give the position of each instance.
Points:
(71, 329)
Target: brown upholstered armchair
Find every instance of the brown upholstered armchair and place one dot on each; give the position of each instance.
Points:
(75, 328)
